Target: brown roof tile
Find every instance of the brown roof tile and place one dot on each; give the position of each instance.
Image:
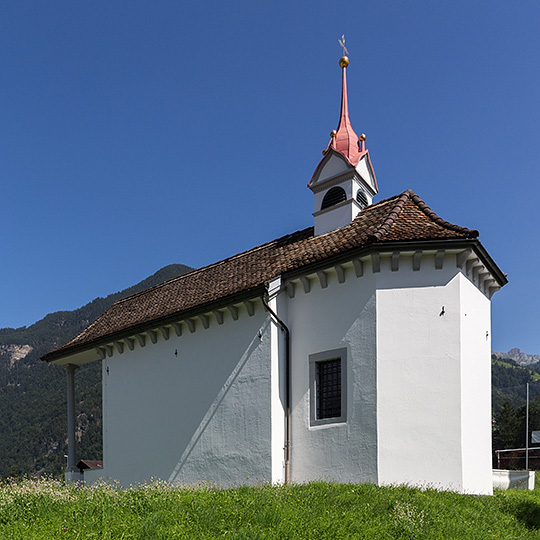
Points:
(400, 218)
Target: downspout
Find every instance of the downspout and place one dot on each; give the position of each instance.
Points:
(284, 328)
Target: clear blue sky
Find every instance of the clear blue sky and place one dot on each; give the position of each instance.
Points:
(138, 134)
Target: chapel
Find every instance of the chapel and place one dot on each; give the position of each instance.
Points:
(356, 350)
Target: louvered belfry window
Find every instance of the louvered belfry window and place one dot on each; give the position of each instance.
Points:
(361, 198)
(329, 389)
(333, 196)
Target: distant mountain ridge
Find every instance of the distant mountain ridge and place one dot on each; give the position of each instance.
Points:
(518, 356)
(32, 392)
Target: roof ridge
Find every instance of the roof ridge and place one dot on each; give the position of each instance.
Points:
(398, 207)
(438, 219)
(392, 215)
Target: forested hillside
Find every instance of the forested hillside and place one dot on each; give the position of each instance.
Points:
(33, 393)
(509, 382)
(509, 387)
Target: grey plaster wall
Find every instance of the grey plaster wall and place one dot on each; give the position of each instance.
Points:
(193, 408)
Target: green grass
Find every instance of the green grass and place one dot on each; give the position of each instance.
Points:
(46, 510)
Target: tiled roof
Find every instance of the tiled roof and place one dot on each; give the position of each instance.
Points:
(402, 218)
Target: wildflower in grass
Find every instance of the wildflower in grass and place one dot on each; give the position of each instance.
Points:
(408, 517)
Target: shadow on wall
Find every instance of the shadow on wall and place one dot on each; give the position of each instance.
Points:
(214, 407)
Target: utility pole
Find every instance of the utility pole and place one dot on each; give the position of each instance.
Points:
(527, 432)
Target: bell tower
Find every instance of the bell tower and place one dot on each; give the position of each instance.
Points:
(344, 182)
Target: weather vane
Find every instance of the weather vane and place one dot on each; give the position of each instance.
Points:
(342, 43)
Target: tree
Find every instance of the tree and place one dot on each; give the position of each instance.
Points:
(506, 427)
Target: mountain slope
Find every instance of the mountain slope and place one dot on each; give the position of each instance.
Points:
(33, 395)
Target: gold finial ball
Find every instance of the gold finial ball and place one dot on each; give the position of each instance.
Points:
(363, 137)
(333, 134)
(343, 61)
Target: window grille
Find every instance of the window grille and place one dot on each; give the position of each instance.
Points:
(329, 389)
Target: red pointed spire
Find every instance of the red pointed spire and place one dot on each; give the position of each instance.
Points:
(345, 140)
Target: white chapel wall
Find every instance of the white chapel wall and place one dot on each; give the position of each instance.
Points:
(476, 388)
(417, 388)
(342, 315)
(201, 415)
(426, 370)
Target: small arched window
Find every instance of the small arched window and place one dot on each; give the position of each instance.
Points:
(333, 196)
(361, 198)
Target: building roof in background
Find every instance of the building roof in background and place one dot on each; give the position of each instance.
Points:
(85, 464)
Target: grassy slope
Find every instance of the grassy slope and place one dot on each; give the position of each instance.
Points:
(309, 511)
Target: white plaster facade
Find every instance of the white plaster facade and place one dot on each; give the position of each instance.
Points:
(418, 378)
(168, 406)
(208, 405)
(434, 381)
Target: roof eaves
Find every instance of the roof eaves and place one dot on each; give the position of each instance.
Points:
(405, 245)
(447, 243)
(154, 323)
